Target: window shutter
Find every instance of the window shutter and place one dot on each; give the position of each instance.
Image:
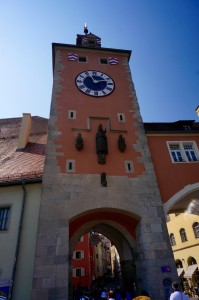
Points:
(82, 271)
(74, 272)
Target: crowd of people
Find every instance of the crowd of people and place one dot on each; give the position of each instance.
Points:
(113, 294)
(123, 294)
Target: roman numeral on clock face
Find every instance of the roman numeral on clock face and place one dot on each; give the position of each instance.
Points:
(87, 91)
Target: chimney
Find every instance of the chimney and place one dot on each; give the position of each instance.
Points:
(24, 131)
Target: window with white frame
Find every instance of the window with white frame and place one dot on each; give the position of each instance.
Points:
(78, 272)
(70, 166)
(72, 114)
(121, 117)
(129, 166)
(78, 254)
(4, 218)
(190, 152)
(186, 151)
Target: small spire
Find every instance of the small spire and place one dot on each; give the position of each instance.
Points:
(85, 29)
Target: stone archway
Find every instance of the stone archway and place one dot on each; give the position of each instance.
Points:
(115, 226)
(118, 226)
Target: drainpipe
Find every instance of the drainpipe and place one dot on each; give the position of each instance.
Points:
(18, 240)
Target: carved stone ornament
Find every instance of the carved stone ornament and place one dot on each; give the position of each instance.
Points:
(103, 179)
(101, 145)
(79, 142)
(121, 143)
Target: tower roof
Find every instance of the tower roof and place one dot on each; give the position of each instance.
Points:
(88, 39)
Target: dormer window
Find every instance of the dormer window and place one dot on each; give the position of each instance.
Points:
(187, 128)
(91, 43)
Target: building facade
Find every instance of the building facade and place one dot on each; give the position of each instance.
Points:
(83, 264)
(103, 169)
(97, 163)
(174, 150)
(183, 230)
(22, 154)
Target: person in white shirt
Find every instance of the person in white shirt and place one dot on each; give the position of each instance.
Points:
(177, 294)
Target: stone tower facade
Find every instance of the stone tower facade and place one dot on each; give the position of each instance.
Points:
(98, 173)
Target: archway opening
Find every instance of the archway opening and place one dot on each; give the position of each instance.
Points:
(106, 241)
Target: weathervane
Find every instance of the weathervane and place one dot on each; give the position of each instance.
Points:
(85, 29)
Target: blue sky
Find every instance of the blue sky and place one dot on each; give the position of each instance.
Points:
(162, 34)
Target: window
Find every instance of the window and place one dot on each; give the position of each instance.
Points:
(78, 254)
(168, 218)
(91, 43)
(183, 235)
(70, 166)
(82, 59)
(190, 153)
(176, 153)
(121, 117)
(183, 151)
(128, 166)
(172, 239)
(196, 229)
(103, 61)
(72, 114)
(186, 127)
(4, 218)
(78, 272)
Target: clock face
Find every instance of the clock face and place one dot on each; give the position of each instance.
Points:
(95, 83)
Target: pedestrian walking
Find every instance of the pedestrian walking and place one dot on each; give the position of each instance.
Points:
(111, 295)
(103, 295)
(177, 294)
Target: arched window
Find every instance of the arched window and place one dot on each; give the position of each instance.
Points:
(179, 264)
(183, 235)
(172, 239)
(191, 261)
(196, 229)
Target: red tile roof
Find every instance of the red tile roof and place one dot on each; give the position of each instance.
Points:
(24, 164)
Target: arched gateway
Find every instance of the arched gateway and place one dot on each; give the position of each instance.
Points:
(98, 172)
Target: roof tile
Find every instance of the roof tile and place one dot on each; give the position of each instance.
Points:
(17, 164)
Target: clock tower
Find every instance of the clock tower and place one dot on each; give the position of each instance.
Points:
(98, 173)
